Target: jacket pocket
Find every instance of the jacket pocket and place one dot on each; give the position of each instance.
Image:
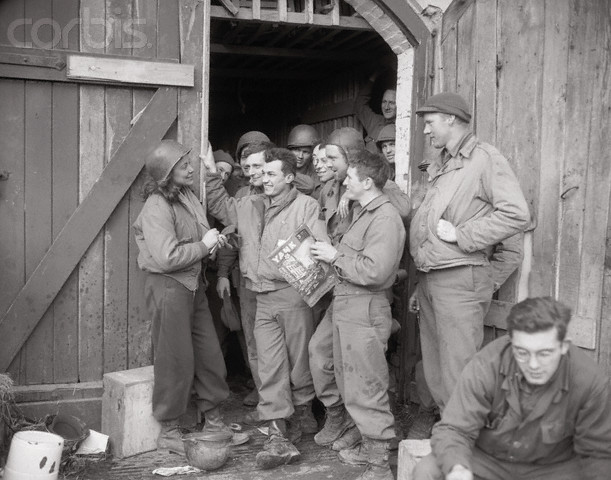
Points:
(353, 243)
(554, 432)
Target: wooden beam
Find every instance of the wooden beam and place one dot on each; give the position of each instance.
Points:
(289, 53)
(129, 70)
(228, 4)
(270, 16)
(48, 65)
(451, 16)
(407, 19)
(85, 223)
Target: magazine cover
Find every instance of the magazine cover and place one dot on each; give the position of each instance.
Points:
(312, 279)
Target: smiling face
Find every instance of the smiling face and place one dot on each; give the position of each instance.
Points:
(355, 187)
(182, 173)
(321, 165)
(253, 168)
(389, 104)
(538, 354)
(224, 170)
(337, 161)
(438, 127)
(275, 182)
(303, 155)
(388, 149)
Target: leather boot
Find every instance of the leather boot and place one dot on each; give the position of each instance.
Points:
(293, 429)
(277, 450)
(214, 423)
(252, 399)
(350, 439)
(252, 419)
(170, 438)
(378, 467)
(337, 422)
(358, 455)
(307, 421)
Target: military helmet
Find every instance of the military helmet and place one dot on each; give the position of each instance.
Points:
(303, 136)
(387, 133)
(347, 138)
(249, 138)
(161, 161)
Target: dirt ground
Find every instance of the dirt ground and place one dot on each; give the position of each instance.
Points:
(316, 462)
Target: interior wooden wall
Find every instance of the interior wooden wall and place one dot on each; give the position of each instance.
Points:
(57, 138)
(536, 74)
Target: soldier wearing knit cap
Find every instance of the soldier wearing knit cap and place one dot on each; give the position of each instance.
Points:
(473, 203)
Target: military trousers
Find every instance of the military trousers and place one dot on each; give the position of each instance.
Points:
(283, 327)
(453, 303)
(486, 467)
(361, 328)
(248, 309)
(186, 349)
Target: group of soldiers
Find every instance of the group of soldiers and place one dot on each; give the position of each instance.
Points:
(464, 238)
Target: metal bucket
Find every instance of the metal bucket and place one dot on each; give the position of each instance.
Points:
(34, 456)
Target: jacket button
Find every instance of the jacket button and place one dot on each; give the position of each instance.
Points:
(517, 444)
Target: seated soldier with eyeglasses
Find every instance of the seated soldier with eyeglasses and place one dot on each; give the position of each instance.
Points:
(528, 406)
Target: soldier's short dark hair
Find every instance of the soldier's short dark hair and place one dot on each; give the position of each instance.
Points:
(289, 162)
(539, 314)
(253, 148)
(372, 165)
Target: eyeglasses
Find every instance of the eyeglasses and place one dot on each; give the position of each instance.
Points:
(542, 356)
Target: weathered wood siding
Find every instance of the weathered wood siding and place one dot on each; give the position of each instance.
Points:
(56, 140)
(537, 76)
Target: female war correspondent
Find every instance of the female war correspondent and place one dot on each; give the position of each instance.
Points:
(173, 236)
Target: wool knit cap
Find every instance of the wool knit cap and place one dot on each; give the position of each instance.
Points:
(223, 156)
(446, 102)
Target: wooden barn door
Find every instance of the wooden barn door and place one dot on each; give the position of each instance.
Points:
(86, 91)
(537, 80)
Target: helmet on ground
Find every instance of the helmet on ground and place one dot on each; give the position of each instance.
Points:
(303, 136)
(347, 138)
(161, 161)
(389, 132)
(249, 138)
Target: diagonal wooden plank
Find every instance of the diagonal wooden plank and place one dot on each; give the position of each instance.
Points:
(85, 223)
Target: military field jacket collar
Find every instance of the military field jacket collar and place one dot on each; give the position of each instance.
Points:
(372, 205)
(272, 209)
(462, 150)
(512, 376)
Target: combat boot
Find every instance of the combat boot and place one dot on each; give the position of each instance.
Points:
(214, 423)
(277, 450)
(350, 439)
(358, 455)
(337, 422)
(252, 399)
(378, 467)
(170, 438)
(308, 423)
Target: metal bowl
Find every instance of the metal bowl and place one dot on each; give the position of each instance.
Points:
(207, 451)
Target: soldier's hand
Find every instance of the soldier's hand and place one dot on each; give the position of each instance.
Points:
(208, 160)
(459, 472)
(223, 287)
(413, 305)
(343, 208)
(446, 231)
(323, 251)
(211, 238)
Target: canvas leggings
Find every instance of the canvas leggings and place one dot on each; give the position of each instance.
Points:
(486, 467)
(453, 303)
(361, 327)
(283, 327)
(187, 354)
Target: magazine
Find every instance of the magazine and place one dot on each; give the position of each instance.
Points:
(311, 278)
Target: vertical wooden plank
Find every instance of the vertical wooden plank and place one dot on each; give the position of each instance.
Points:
(193, 102)
(579, 109)
(519, 108)
(116, 231)
(449, 52)
(283, 10)
(65, 197)
(256, 9)
(335, 13)
(91, 153)
(308, 10)
(465, 61)
(553, 114)
(38, 191)
(38, 215)
(604, 346)
(485, 71)
(159, 23)
(12, 132)
(598, 177)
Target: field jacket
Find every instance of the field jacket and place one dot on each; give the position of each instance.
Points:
(261, 224)
(370, 250)
(169, 237)
(371, 121)
(572, 416)
(330, 197)
(477, 192)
